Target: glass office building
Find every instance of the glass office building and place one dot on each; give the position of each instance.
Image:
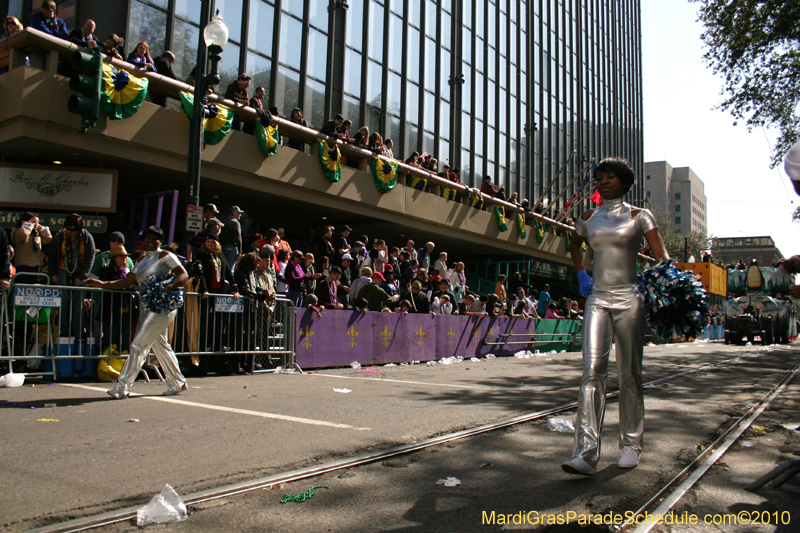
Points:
(500, 88)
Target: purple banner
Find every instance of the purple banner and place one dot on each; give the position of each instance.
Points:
(341, 337)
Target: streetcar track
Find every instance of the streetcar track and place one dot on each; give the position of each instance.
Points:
(122, 515)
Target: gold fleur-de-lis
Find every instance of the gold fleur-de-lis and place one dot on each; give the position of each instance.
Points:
(476, 333)
(490, 335)
(450, 335)
(420, 334)
(307, 334)
(530, 330)
(387, 337)
(352, 333)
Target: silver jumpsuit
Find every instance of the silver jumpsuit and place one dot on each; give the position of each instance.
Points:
(152, 332)
(613, 312)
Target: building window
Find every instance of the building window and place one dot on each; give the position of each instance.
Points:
(648, 176)
(677, 208)
(677, 220)
(648, 194)
(677, 196)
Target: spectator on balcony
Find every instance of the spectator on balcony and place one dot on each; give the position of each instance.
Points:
(486, 187)
(231, 237)
(28, 239)
(388, 144)
(140, 57)
(376, 143)
(283, 244)
(501, 194)
(327, 291)
(359, 256)
(500, 288)
(333, 128)
(340, 245)
(109, 47)
(265, 275)
(442, 305)
(297, 118)
(528, 305)
(282, 260)
(324, 245)
(443, 288)
(217, 276)
(516, 282)
(552, 312)
(237, 91)
(85, 35)
(544, 300)
(255, 103)
(325, 266)
(445, 173)
(408, 276)
(163, 65)
(413, 160)
(424, 255)
(389, 284)
(11, 26)
(514, 199)
(47, 21)
(361, 138)
(344, 133)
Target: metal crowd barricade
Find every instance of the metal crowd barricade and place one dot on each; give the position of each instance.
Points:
(573, 336)
(256, 334)
(61, 331)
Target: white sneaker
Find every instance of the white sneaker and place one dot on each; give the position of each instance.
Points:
(577, 465)
(170, 392)
(629, 459)
(118, 393)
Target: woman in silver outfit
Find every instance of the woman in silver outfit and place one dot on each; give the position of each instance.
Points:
(613, 313)
(152, 329)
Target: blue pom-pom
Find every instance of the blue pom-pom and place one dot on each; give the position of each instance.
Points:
(156, 299)
(674, 300)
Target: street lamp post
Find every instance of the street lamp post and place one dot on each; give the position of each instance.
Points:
(215, 37)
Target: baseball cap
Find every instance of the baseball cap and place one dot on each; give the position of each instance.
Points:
(212, 208)
(378, 275)
(358, 243)
(243, 77)
(348, 257)
(345, 228)
(236, 209)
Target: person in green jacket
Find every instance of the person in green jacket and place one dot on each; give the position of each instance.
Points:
(375, 296)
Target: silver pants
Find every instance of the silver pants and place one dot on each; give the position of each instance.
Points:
(152, 333)
(611, 315)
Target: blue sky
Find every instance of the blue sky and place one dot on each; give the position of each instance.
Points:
(681, 126)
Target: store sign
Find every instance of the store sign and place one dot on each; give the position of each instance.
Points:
(58, 187)
(54, 221)
(548, 269)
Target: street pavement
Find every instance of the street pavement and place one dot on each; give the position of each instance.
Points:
(225, 430)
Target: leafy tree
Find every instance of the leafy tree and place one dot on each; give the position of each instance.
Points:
(754, 46)
(674, 238)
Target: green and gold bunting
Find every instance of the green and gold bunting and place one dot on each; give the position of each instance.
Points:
(521, 228)
(385, 174)
(539, 227)
(448, 193)
(567, 239)
(500, 213)
(476, 202)
(329, 158)
(416, 183)
(123, 94)
(219, 121)
(268, 138)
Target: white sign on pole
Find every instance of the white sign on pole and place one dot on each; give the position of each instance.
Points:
(37, 297)
(194, 218)
(228, 304)
(58, 187)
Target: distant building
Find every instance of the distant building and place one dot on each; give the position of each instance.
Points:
(729, 250)
(679, 193)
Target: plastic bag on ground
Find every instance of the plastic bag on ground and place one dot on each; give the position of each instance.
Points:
(447, 360)
(474, 359)
(355, 364)
(523, 354)
(449, 482)
(490, 356)
(560, 425)
(166, 507)
(12, 380)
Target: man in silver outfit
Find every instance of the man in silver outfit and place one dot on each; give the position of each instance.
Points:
(613, 313)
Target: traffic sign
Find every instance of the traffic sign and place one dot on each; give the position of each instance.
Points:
(194, 218)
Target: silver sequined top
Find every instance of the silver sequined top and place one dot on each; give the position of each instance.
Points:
(151, 264)
(615, 238)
